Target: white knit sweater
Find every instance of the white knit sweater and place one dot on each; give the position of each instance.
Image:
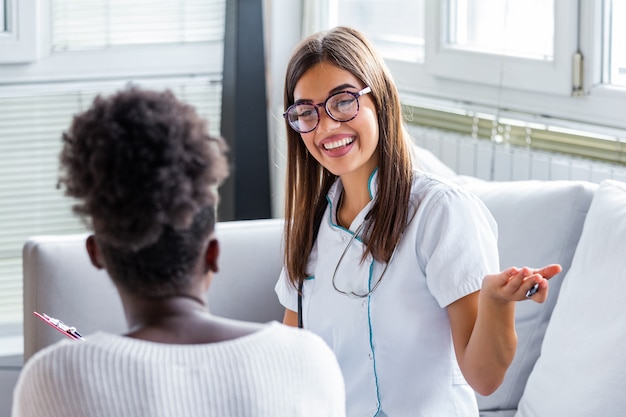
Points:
(278, 371)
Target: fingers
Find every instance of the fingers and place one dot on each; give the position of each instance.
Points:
(549, 271)
(535, 281)
(517, 284)
(524, 282)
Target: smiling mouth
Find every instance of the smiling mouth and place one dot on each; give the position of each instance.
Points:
(338, 144)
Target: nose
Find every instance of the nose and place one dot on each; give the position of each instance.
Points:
(326, 123)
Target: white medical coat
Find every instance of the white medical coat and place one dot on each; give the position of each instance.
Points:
(395, 346)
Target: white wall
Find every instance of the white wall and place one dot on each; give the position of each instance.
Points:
(283, 26)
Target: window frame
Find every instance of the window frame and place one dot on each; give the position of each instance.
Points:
(129, 61)
(133, 61)
(442, 61)
(19, 43)
(3, 24)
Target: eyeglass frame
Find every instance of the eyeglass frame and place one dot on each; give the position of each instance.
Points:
(357, 95)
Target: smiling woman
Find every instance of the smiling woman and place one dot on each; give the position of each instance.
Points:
(384, 267)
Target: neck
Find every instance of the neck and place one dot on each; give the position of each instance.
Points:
(354, 197)
(182, 319)
(162, 314)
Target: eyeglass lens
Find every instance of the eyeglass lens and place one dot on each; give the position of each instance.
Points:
(342, 107)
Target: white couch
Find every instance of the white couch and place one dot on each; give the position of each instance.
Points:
(569, 360)
(59, 280)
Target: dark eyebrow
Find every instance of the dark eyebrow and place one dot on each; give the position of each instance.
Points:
(341, 87)
(337, 89)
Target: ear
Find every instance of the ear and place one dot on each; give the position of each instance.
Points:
(211, 255)
(93, 251)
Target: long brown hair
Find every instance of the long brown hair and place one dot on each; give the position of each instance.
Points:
(308, 182)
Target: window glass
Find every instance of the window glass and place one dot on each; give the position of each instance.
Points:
(395, 26)
(615, 34)
(523, 28)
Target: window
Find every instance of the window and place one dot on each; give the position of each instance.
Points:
(504, 44)
(89, 47)
(545, 62)
(398, 35)
(501, 27)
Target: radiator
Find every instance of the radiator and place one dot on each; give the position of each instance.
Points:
(503, 162)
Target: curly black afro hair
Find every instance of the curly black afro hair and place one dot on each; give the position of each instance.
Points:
(140, 160)
(146, 173)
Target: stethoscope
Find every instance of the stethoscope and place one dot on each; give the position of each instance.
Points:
(351, 294)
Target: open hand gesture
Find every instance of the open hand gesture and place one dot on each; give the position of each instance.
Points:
(517, 284)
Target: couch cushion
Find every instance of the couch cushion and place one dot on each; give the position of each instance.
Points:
(581, 371)
(539, 222)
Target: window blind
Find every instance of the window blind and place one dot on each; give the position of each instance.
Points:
(96, 24)
(30, 142)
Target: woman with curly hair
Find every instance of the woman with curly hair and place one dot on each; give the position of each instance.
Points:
(146, 172)
(395, 268)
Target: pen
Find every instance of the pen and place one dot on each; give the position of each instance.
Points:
(69, 331)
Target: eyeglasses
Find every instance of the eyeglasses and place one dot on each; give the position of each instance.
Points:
(342, 106)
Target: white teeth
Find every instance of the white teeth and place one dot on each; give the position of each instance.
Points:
(338, 144)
